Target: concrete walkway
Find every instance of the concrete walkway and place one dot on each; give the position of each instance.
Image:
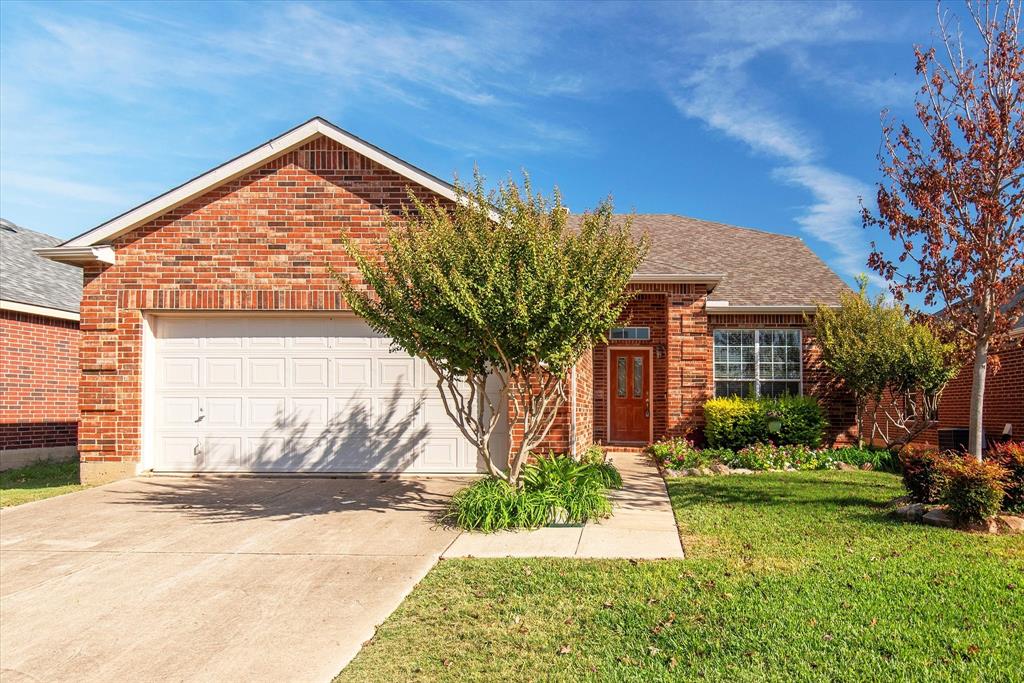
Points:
(642, 525)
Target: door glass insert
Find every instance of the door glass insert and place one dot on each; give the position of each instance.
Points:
(620, 377)
(638, 376)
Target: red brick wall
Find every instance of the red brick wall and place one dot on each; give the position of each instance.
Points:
(38, 381)
(818, 380)
(261, 242)
(680, 351)
(1004, 398)
(682, 345)
(584, 402)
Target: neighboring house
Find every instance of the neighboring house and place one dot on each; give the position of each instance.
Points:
(38, 350)
(1004, 400)
(215, 338)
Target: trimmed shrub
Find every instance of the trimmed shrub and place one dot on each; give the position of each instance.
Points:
(973, 490)
(738, 422)
(881, 459)
(923, 474)
(1011, 457)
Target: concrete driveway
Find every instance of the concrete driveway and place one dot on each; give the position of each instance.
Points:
(211, 579)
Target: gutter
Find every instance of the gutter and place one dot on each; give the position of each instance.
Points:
(33, 309)
(725, 307)
(78, 256)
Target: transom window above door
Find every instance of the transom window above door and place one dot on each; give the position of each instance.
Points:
(758, 363)
(630, 333)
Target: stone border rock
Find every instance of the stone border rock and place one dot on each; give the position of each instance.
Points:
(717, 469)
(938, 515)
(720, 469)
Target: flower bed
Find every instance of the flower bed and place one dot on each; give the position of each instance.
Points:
(679, 457)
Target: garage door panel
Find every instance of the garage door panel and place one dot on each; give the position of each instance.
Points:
(265, 411)
(267, 373)
(179, 411)
(179, 453)
(276, 394)
(222, 453)
(353, 372)
(309, 372)
(224, 372)
(180, 372)
(313, 411)
(224, 411)
(396, 372)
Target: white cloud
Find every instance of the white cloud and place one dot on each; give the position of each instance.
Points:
(716, 87)
(61, 188)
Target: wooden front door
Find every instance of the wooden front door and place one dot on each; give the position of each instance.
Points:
(629, 399)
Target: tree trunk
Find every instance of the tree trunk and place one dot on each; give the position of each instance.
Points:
(976, 444)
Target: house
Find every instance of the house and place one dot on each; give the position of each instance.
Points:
(1003, 405)
(38, 350)
(215, 339)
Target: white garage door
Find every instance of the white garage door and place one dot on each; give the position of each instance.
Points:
(280, 394)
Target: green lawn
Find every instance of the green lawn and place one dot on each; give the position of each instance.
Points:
(38, 481)
(789, 577)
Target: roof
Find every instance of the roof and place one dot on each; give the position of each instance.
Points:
(757, 268)
(31, 280)
(242, 164)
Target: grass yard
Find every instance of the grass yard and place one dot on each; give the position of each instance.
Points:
(38, 481)
(789, 577)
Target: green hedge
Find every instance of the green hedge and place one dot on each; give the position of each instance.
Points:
(737, 422)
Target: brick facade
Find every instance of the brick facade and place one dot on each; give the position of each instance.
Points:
(38, 381)
(265, 242)
(682, 350)
(1004, 398)
(261, 242)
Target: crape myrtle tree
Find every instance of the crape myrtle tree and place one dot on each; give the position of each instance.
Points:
(950, 198)
(501, 296)
(895, 368)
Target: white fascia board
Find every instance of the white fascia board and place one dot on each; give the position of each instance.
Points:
(46, 311)
(243, 164)
(725, 307)
(78, 256)
(709, 278)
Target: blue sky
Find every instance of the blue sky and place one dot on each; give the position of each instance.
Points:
(762, 114)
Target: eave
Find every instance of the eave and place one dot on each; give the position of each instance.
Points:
(33, 309)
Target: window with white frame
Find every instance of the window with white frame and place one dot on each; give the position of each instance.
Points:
(635, 333)
(758, 363)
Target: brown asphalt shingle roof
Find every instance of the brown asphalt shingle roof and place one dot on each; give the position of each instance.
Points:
(759, 268)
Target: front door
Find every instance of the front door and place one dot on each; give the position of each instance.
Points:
(630, 395)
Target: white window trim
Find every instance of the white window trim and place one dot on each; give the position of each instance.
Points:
(757, 357)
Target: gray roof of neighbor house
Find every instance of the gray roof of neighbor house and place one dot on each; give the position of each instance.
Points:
(758, 268)
(28, 278)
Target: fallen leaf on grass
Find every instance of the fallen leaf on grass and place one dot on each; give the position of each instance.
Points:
(564, 650)
(608, 604)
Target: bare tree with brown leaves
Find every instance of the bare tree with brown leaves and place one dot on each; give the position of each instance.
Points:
(951, 196)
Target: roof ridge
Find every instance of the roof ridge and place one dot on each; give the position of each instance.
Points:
(760, 231)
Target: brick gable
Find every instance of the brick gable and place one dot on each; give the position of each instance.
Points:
(263, 242)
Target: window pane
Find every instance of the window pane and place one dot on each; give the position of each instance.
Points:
(734, 354)
(620, 377)
(638, 376)
(731, 388)
(774, 389)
